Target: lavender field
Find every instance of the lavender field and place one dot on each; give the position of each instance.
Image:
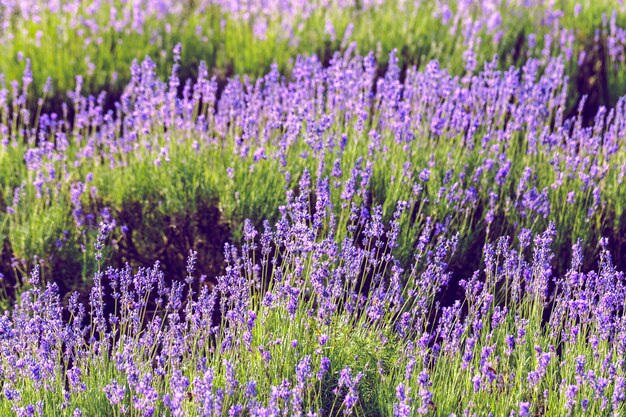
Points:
(312, 208)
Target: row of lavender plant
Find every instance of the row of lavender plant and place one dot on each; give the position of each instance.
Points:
(304, 324)
(485, 154)
(99, 38)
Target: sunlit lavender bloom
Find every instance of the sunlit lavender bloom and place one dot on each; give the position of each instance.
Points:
(323, 369)
(73, 376)
(402, 408)
(178, 387)
(115, 392)
(571, 391)
(524, 409)
(619, 392)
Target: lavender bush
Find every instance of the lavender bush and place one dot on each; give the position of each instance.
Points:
(291, 328)
(486, 155)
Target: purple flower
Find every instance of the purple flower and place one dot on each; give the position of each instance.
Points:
(402, 408)
(178, 387)
(619, 392)
(114, 392)
(352, 395)
(73, 376)
(476, 382)
(524, 409)
(571, 391)
(251, 389)
(12, 394)
(323, 369)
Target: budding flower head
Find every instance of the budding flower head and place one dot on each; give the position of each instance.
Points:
(105, 229)
(34, 276)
